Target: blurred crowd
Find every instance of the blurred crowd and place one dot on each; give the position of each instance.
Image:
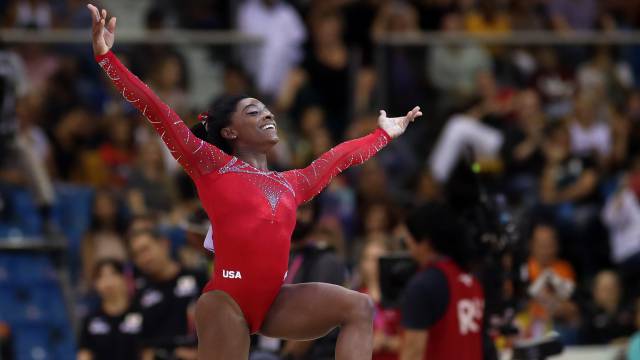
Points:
(553, 130)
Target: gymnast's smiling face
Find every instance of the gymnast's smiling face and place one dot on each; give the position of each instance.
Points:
(252, 126)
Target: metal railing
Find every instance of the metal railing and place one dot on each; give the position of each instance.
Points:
(513, 38)
(178, 37)
(405, 39)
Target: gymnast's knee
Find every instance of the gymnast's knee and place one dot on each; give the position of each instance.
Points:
(362, 308)
(215, 307)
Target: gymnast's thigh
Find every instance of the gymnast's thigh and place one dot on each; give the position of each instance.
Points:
(222, 330)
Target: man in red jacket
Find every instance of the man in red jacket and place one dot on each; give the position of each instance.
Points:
(442, 308)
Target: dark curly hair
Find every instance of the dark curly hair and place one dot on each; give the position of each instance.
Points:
(214, 120)
(437, 223)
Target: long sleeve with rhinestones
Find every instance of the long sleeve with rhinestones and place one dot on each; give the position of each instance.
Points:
(196, 156)
(308, 182)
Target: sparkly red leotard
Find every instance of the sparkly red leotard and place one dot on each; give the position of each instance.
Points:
(253, 212)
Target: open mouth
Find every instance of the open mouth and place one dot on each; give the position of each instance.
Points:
(268, 127)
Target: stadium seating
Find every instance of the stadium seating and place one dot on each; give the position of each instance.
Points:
(32, 303)
(43, 342)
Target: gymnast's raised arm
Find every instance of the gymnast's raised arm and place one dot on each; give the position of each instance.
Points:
(197, 156)
(308, 182)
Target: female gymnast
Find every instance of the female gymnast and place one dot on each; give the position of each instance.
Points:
(253, 213)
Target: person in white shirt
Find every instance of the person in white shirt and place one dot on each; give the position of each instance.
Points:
(463, 132)
(590, 135)
(621, 215)
(283, 34)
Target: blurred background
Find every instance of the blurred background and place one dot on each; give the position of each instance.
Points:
(531, 133)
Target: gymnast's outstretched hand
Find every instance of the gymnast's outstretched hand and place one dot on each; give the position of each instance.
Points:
(103, 32)
(397, 125)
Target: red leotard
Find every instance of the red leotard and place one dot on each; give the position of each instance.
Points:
(253, 212)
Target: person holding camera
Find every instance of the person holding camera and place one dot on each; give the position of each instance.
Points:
(551, 284)
(443, 305)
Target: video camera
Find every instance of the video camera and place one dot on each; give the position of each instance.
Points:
(395, 272)
(493, 235)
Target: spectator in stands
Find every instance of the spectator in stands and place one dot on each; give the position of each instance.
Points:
(32, 14)
(65, 88)
(632, 111)
(567, 16)
(544, 255)
(372, 183)
(30, 116)
(310, 261)
(523, 149)
(603, 76)
(14, 86)
(573, 15)
(39, 65)
(428, 189)
(323, 78)
(283, 32)
(606, 319)
(168, 79)
(113, 330)
(151, 188)
(551, 285)
(554, 82)
(166, 296)
(386, 321)
(395, 17)
(619, 14)
(329, 234)
(236, 81)
(141, 222)
(6, 341)
(498, 99)
(104, 239)
(523, 15)
(568, 192)
(24, 148)
(465, 136)
(452, 69)
(432, 13)
(321, 142)
(311, 123)
(142, 57)
(111, 164)
(404, 77)
(359, 18)
(379, 218)
(621, 134)
(621, 214)
(74, 16)
(72, 137)
(202, 15)
(487, 18)
(589, 129)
